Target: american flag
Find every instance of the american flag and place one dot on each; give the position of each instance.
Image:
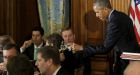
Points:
(135, 16)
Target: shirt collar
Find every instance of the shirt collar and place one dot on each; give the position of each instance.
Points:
(38, 46)
(110, 14)
(55, 72)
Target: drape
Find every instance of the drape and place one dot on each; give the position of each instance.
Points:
(54, 14)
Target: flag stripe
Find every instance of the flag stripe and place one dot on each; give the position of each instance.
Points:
(132, 12)
(135, 16)
(137, 35)
(137, 13)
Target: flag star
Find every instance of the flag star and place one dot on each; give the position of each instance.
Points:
(137, 2)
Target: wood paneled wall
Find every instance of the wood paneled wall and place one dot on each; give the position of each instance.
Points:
(121, 5)
(8, 17)
(17, 17)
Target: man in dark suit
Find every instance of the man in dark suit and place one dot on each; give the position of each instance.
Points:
(76, 59)
(120, 35)
(30, 47)
(48, 61)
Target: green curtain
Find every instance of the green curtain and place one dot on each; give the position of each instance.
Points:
(54, 14)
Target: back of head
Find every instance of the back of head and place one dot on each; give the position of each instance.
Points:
(20, 65)
(55, 39)
(50, 52)
(102, 3)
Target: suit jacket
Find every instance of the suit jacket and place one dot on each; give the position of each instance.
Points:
(62, 71)
(71, 62)
(29, 51)
(120, 36)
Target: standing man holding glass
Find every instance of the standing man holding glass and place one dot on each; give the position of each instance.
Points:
(120, 35)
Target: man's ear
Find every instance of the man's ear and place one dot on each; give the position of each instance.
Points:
(49, 62)
(106, 9)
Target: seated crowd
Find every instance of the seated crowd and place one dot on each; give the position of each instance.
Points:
(38, 57)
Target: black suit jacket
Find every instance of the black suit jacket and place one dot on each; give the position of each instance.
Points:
(71, 62)
(120, 36)
(29, 51)
(62, 71)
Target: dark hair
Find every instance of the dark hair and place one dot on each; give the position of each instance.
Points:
(65, 29)
(19, 65)
(5, 39)
(55, 39)
(9, 46)
(102, 3)
(40, 29)
(49, 52)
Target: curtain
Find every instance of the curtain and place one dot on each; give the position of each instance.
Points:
(54, 14)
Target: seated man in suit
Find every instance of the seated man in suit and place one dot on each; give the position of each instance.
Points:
(30, 47)
(9, 50)
(48, 61)
(69, 40)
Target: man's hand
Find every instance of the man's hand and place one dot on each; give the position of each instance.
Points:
(62, 57)
(76, 47)
(26, 44)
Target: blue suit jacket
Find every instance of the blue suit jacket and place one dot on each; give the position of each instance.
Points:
(120, 36)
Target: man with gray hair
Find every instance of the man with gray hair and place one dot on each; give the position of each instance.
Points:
(120, 35)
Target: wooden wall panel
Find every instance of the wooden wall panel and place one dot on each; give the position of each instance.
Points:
(8, 17)
(17, 17)
(121, 5)
(84, 22)
(76, 19)
(27, 18)
(93, 25)
(1, 16)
